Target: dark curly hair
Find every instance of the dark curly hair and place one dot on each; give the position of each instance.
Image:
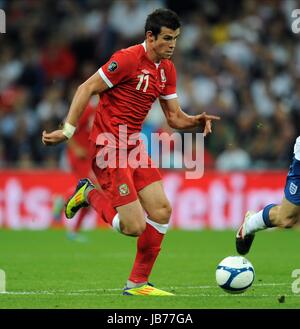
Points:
(159, 18)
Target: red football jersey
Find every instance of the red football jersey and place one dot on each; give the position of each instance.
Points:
(135, 83)
(83, 129)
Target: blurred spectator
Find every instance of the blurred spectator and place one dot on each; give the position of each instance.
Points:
(52, 106)
(233, 158)
(57, 60)
(127, 17)
(10, 67)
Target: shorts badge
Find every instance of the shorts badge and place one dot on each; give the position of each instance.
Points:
(293, 188)
(123, 189)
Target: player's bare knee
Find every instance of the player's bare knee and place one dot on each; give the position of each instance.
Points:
(162, 214)
(135, 229)
(141, 228)
(167, 211)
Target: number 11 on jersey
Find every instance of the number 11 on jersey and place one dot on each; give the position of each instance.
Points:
(143, 77)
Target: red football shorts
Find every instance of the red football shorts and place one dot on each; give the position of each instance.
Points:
(121, 185)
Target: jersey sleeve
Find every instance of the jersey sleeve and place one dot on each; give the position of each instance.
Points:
(170, 88)
(117, 69)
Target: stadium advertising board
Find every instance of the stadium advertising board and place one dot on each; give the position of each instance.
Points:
(217, 200)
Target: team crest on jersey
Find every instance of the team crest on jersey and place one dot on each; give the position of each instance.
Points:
(293, 188)
(112, 66)
(163, 75)
(124, 189)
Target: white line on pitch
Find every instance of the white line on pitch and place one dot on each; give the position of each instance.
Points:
(184, 287)
(104, 290)
(176, 295)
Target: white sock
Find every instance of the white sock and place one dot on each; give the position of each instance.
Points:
(161, 228)
(255, 223)
(116, 223)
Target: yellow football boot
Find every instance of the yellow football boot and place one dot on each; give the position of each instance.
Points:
(146, 290)
(78, 199)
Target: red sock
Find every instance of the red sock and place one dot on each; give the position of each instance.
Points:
(102, 205)
(83, 212)
(148, 247)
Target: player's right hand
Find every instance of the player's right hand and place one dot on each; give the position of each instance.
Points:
(54, 137)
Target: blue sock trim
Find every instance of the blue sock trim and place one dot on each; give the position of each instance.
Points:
(265, 214)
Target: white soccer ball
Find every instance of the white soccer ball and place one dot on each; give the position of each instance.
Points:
(235, 274)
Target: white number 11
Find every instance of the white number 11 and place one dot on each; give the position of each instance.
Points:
(143, 77)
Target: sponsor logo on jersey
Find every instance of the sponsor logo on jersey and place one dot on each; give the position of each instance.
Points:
(112, 66)
(163, 75)
(293, 188)
(123, 189)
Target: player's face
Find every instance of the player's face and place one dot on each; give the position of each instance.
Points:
(165, 43)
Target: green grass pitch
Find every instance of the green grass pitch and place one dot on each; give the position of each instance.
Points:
(45, 270)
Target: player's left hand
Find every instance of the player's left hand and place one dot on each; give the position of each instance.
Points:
(205, 121)
(54, 137)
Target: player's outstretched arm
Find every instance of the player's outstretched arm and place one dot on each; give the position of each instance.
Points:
(177, 119)
(94, 85)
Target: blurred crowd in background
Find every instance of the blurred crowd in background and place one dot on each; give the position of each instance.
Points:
(236, 59)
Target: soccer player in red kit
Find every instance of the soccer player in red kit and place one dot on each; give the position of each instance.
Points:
(128, 84)
(78, 154)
